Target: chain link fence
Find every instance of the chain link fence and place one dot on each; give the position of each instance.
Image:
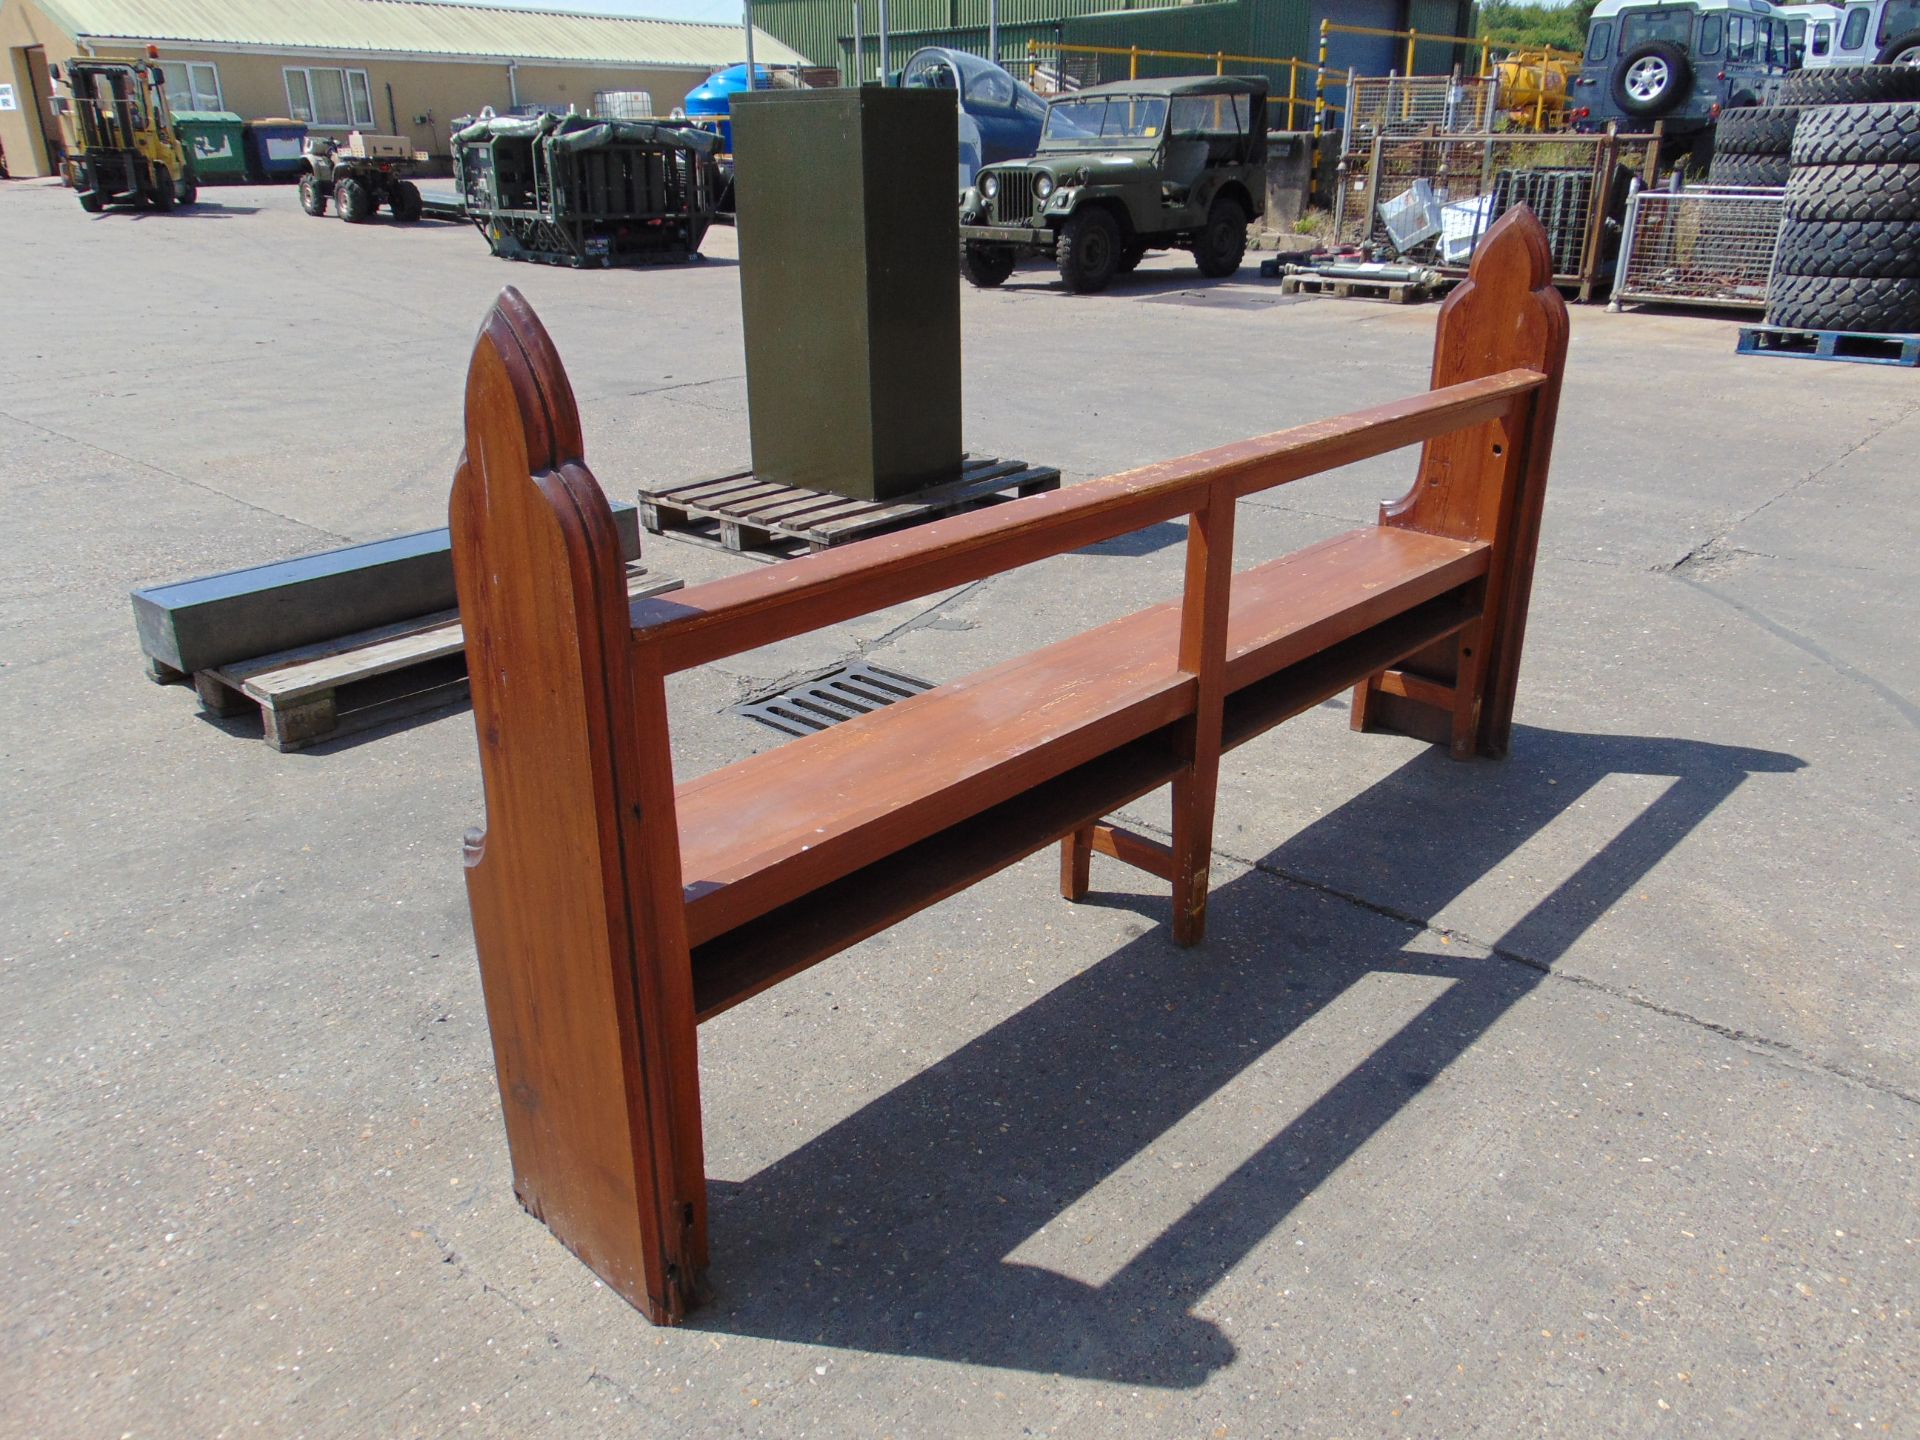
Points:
(1464, 182)
(1710, 246)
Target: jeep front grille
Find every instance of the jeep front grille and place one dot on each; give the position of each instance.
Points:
(1016, 202)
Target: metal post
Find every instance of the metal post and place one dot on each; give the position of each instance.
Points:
(1133, 63)
(746, 12)
(993, 31)
(1320, 94)
(1293, 88)
(859, 43)
(886, 65)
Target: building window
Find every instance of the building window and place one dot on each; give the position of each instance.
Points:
(330, 99)
(192, 85)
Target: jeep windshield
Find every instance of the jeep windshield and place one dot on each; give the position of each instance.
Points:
(1106, 121)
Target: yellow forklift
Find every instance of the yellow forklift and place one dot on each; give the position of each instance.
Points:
(125, 151)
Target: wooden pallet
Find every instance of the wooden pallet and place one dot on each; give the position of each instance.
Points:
(1860, 347)
(747, 514)
(1396, 292)
(357, 681)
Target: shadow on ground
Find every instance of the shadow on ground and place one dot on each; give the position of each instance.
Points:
(891, 1231)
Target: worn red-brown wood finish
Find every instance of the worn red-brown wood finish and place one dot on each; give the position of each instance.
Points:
(1485, 484)
(574, 884)
(613, 910)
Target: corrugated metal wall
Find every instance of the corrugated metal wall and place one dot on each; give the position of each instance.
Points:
(817, 28)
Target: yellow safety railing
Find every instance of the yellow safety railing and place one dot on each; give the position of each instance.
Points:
(1328, 29)
(1219, 59)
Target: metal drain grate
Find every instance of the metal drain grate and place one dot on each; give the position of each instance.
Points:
(855, 689)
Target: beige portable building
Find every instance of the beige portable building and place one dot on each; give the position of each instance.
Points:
(405, 67)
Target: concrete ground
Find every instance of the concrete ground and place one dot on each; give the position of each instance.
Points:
(1574, 1095)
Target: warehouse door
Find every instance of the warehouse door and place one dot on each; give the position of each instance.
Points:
(1366, 54)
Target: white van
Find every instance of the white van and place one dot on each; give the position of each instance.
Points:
(1812, 32)
(1875, 32)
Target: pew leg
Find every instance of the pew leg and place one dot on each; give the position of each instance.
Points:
(1076, 863)
(1193, 799)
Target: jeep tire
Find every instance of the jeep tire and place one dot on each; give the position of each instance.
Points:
(1902, 50)
(1854, 192)
(403, 198)
(1652, 79)
(1222, 244)
(986, 264)
(1826, 302)
(313, 199)
(1851, 85)
(1756, 130)
(1089, 250)
(351, 199)
(1849, 249)
(1875, 134)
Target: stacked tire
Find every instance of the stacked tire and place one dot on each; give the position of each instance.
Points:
(1849, 250)
(1751, 145)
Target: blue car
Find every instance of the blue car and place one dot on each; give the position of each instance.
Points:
(1000, 119)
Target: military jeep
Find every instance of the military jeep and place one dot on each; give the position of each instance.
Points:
(1122, 169)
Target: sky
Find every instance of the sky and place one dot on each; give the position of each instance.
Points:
(727, 11)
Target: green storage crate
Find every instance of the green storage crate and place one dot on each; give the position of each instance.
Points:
(214, 139)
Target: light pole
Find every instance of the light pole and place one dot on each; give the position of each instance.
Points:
(746, 8)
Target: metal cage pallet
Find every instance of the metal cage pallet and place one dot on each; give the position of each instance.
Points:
(1475, 178)
(1708, 246)
(751, 514)
(1859, 347)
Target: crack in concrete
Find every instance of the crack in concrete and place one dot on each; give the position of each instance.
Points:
(1714, 541)
(1904, 707)
(180, 479)
(1780, 1050)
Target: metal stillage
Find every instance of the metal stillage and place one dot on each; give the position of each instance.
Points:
(569, 190)
(1711, 246)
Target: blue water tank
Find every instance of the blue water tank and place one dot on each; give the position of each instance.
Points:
(713, 98)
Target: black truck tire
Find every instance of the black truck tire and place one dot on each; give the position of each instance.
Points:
(403, 198)
(1854, 192)
(1849, 249)
(1642, 63)
(1851, 85)
(1826, 302)
(1748, 170)
(1756, 130)
(1886, 133)
(1223, 243)
(351, 199)
(313, 199)
(1088, 252)
(986, 264)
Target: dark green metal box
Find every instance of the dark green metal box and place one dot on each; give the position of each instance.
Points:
(850, 287)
